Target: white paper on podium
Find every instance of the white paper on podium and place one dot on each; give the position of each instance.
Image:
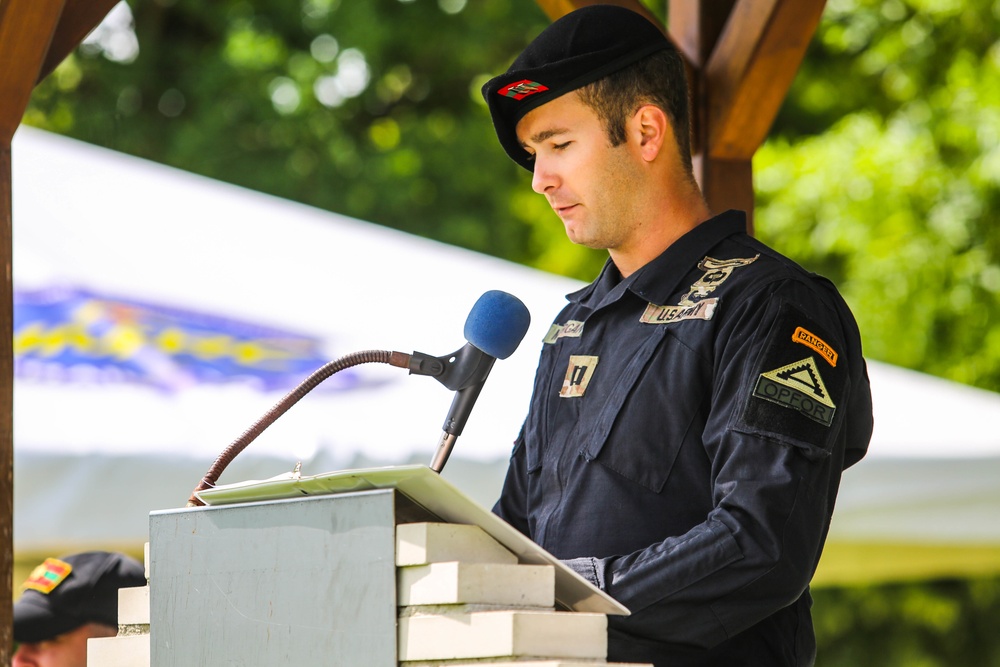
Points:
(435, 494)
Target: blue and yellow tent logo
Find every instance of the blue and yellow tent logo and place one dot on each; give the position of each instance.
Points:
(72, 335)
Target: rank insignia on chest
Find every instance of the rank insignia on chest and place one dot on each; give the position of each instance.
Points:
(578, 375)
(798, 386)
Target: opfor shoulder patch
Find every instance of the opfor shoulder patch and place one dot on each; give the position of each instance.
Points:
(798, 386)
(695, 305)
(814, 342)
(48, 575)
(789, 394)
(521, 89)
(578, 374)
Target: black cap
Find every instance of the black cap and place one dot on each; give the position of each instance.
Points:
(575, 50)
(65, 593)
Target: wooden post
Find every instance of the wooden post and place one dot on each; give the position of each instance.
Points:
(695, 27)
(6, 411)
(744, 56)
(26, 31)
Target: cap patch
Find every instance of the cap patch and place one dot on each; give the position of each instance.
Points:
(48, 575)
(521, 89)
(798, 386)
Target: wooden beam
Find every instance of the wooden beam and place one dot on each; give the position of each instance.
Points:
(726, 184)
(6, 411)
(696, 26)
(26, 28)
(558, 8)
(751, 68)
(78, 18)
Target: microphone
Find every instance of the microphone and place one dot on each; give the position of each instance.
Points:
(494, 328)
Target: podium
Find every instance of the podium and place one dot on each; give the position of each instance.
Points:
(372, 568)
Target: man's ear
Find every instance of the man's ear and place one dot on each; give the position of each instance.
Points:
(652, 129)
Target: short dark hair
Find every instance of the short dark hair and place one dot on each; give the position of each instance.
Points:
(657, 79)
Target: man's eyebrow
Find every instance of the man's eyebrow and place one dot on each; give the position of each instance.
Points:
(545, 134)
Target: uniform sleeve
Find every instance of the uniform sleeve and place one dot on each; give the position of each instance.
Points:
(790, 399)
(512, 505)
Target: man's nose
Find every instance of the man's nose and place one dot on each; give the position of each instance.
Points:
(543, 178)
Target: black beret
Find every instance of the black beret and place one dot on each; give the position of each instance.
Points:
(65, 593)
(575, 50)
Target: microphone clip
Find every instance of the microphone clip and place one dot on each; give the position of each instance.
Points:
(462, 368)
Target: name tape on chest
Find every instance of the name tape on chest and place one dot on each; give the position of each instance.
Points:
(703, 310)
(695, 304)
(572, 329)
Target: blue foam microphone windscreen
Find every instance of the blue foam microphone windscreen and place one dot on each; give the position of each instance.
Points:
(497, 323)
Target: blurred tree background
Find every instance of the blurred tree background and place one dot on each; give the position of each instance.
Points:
(882, 172)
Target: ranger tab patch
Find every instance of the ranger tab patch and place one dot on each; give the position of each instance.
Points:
(816, 343)
(798, 386)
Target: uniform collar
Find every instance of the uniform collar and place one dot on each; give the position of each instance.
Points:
(662, 276)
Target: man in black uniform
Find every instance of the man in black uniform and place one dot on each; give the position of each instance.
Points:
(695, 405)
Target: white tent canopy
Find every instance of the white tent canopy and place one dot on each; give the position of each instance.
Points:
(92, 460)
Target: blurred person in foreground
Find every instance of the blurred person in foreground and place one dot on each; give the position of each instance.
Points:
(67, 601)
(695, 406)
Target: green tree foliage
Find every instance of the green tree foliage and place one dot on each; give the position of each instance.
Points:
(934, 624)
(883, 174)
(371, 109)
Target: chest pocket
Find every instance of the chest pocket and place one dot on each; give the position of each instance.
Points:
(637, 418)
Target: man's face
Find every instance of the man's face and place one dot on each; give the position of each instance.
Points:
(66, 650)
(589, 184)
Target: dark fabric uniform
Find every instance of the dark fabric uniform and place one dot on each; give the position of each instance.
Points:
(684, 447)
